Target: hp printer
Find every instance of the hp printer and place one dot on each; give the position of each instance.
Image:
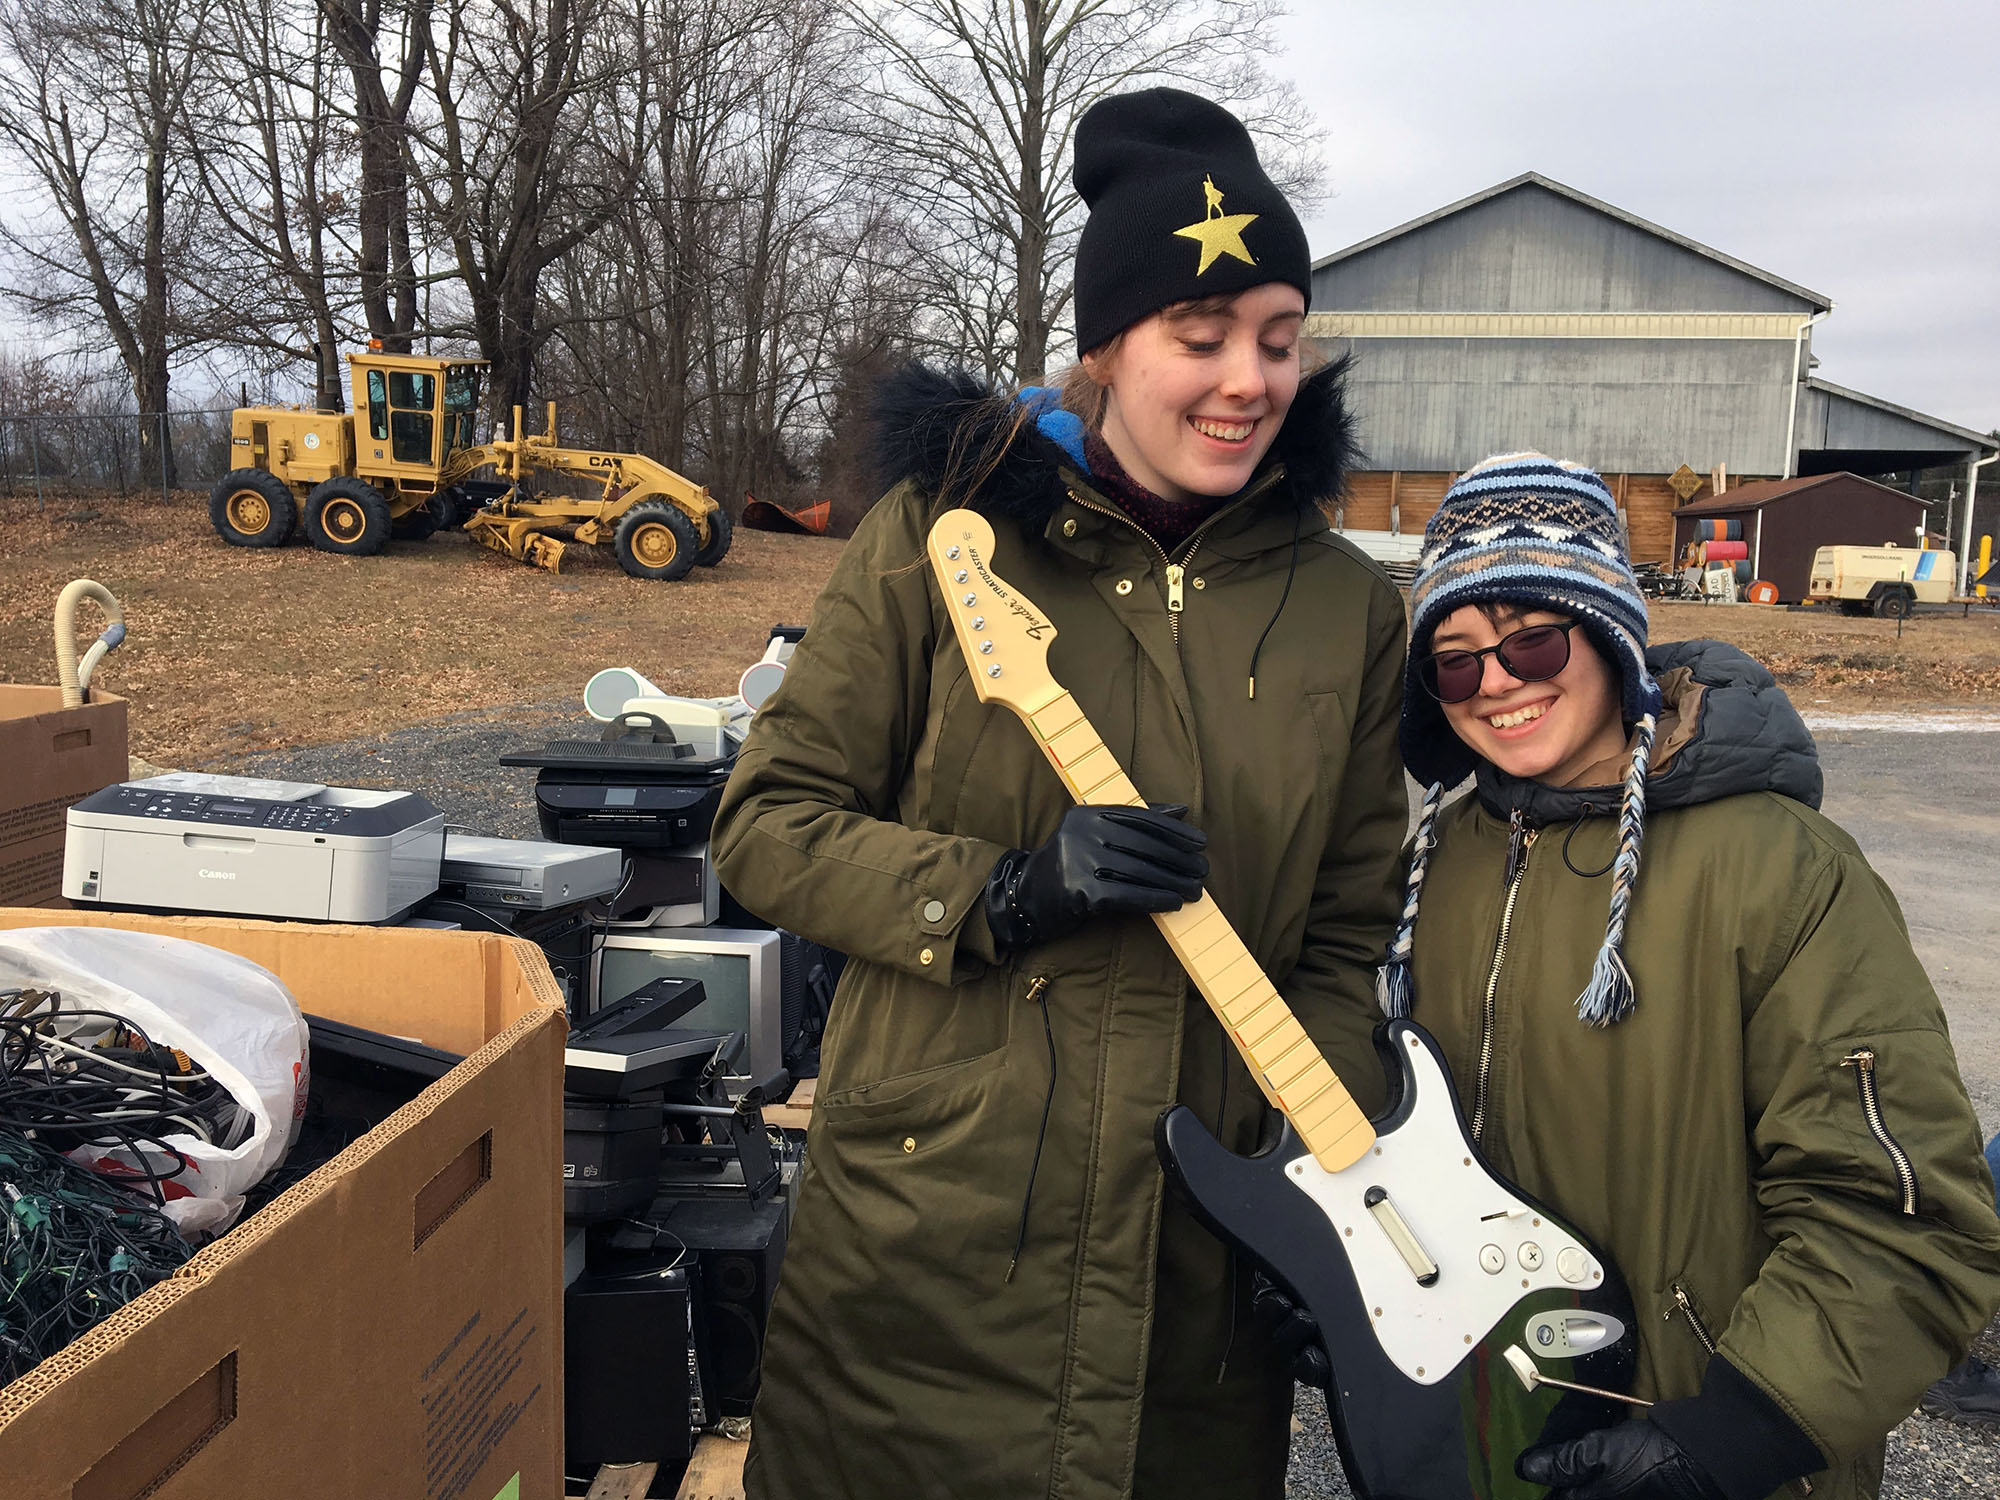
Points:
(251, 847)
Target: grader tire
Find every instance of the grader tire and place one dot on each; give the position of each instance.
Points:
(720, 532)
(656, 540)
(252, 508)
(348, 516)
(424, 522)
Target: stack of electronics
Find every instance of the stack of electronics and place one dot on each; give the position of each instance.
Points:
(649, 787)
(678, 1211)
(553, 895)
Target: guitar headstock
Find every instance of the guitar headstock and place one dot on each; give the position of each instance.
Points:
(1005, 638)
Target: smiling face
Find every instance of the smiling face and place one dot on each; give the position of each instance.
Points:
(1549, 731)
(1195, 394)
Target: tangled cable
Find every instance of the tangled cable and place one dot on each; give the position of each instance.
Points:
(74, 1248)
(77, 1244)
(72, 1076)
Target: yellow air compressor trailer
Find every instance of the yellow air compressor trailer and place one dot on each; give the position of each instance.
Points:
(1888, 580)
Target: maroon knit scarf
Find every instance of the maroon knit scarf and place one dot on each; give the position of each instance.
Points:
(1168, 522)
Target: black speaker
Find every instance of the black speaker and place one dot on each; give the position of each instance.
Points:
(738, 1245)
(630, 1393)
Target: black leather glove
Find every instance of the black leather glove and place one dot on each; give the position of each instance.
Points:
(1629, 1461)
(1100, 861)
(1293, 1330)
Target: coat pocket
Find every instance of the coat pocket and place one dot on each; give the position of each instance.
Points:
(1334, 731)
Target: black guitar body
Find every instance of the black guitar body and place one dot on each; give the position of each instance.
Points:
(1404, 1437)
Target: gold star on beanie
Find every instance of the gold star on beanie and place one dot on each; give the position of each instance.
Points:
(1159, 168)
(1218, 233)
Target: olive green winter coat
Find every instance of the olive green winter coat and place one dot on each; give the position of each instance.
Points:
(969, 1106)
(1721, 1142)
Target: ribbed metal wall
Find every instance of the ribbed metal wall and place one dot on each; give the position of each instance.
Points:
(1634, 404)
(1641, 406)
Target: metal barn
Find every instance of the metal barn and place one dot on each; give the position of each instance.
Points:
(1785, 521)
(1534, 316)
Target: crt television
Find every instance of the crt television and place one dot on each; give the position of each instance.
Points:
(741, 968)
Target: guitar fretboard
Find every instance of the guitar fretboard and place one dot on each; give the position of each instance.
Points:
(1283, 1060)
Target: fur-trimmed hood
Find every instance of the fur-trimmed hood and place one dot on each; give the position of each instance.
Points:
(941, 427)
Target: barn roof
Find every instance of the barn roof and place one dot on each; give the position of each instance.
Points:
(1761, 492)
(1819, 301)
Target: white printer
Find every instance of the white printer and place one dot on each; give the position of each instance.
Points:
(244, 846)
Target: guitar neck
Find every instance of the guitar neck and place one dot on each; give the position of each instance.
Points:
(1284, 1061)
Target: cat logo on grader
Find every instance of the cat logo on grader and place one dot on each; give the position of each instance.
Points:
(402, 465)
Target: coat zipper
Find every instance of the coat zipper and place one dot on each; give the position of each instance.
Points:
(1685, 1303)
(1694, 1319)
(1862, 1060)
(1520, 839)
(1176, 572)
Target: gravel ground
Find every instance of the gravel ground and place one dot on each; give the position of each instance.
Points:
(1904, 796)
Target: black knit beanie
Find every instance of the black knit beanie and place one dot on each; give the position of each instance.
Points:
(1180, 208)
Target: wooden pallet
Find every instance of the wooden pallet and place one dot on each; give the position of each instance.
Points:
(795, 1112)
(714, 1473)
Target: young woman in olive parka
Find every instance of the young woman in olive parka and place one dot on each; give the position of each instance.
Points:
(1680, 1008)
(988, 1292)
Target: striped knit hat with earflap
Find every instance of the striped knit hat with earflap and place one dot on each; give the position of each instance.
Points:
(1530, 531)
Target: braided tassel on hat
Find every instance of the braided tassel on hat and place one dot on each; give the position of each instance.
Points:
(1610, 997)
(1392, 979)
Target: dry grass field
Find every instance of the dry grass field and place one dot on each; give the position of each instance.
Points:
(234, 651)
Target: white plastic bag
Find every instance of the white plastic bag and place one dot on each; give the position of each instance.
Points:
(235, 1019)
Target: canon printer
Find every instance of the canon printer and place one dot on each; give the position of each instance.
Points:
(251, 847)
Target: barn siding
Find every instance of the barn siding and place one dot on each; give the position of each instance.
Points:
(1379, 500)
(1641, 406)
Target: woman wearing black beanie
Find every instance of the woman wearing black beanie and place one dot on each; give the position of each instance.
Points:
(989, 1292)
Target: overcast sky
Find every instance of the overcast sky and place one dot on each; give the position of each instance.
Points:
(1851, 147)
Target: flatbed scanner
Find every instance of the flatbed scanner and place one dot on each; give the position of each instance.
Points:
(246, 846)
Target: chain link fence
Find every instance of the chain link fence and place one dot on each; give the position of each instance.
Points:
(107, 454)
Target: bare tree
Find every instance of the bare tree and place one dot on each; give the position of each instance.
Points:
(512, 170)
(973, 113)
(91, 96)
(268, 147)
(384, 91)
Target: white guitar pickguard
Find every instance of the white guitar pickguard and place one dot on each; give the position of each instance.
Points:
(1458, 1212)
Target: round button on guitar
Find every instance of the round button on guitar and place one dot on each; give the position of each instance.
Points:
(1530, 1256)
(1572, 1265)
(1492, 1259)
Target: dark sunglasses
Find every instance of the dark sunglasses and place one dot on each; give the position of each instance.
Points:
(1534, 653)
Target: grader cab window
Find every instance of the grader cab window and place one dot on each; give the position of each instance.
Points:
(378, 406)
(413, 394)
(461, 405)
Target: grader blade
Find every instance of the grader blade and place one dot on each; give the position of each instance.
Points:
(545, 551)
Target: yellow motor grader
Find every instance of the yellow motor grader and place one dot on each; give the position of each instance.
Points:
(402, 464)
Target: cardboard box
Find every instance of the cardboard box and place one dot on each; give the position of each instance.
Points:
(390, 1328)
(54, 756)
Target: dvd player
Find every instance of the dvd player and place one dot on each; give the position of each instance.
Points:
(527, 874)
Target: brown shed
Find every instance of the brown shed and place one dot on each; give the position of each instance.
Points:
(1785, 521)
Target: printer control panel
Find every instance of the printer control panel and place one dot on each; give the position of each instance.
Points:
(361, 813)
(236, 812)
